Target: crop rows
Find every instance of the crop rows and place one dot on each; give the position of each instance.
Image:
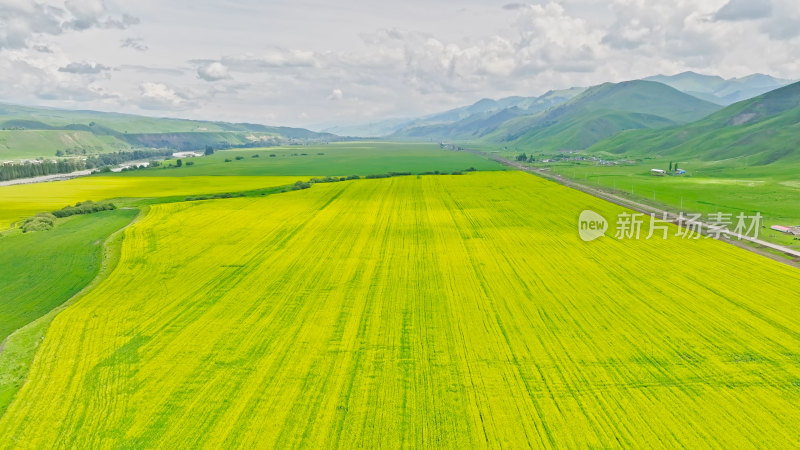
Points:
(434, 311)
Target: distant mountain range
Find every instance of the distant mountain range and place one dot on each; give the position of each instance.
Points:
(426, 125)
(600, 112)
(564, 120)
(27, 132)
(482, 117)
(719, 90)
(764, 130)
(486, 115)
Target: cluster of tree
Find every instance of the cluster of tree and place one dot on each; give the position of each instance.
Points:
(79, 150)
(525, 158)
(388, 175)
(327, 180)
(301, 185)
(110, 159)
(39, 168)
(87, 207)
(27, 170)
(212, 196)
(673, 168)
(455, 172)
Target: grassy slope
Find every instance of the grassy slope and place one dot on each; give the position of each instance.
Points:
(759, 131)
(38, 272)
(339, 159)
(601, 111)
(128, 123)
(30, 144)
(442, 311)
(31, 132)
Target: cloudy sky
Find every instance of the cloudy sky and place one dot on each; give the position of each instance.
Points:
(310, 63)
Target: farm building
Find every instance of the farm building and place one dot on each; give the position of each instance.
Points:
(788, 230)
(658, 172)
(186, 154)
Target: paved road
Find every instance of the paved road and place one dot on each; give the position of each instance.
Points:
(726, 235)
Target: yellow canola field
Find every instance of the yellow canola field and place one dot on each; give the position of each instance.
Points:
(432, 312)
(24, 200)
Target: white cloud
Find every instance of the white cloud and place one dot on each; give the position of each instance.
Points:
(336, 95)
(159, 96)
(22, 20)
(93, 13)
(213, 72)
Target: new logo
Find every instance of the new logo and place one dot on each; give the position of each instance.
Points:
(591, 225)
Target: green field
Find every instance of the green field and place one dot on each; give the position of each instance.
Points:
(773, 191)
(335, 159)
(440, 311)
(40, 271)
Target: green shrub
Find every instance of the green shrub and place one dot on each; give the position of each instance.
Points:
(84, 208)
(39, 222)
(301, 185)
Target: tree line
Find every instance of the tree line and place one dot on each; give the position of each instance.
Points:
(35, 169)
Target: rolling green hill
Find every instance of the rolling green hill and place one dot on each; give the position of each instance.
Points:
(760, 131)
(600, 112)
(27, 132)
